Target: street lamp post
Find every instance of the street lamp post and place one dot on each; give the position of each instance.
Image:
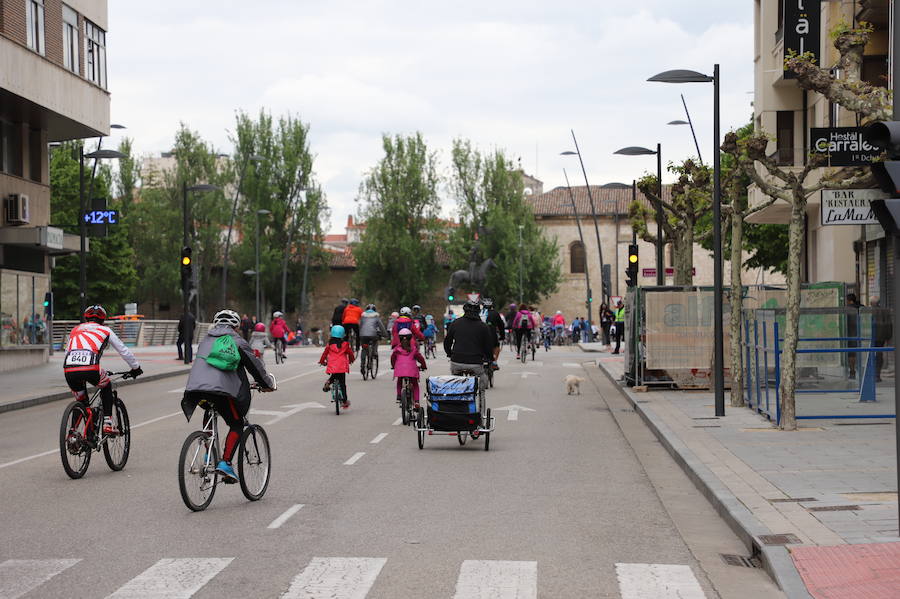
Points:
(577, 152)
(616, 215)
(691, 124)
(258, 213)
(684, 76)
(521, 287)
(185, 239)
(256, 159)
(82, 224)
(287, 250)
(587, 276)
(639, 151)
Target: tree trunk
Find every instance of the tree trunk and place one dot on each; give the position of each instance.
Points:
(683, 257)
(737, 301)
(792, 322)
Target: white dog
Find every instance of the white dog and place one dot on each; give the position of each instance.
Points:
(573, 384)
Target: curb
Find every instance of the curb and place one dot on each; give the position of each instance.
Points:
(776, 560)
(35, 401)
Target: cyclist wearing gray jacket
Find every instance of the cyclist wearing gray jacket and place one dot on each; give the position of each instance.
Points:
(227, 390)
(370, 326)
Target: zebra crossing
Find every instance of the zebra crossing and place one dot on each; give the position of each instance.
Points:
(349, 578)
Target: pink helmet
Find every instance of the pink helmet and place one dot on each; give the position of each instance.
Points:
(259, 327)
(404, 333)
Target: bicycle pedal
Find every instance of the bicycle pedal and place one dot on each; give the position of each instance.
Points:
(228, 481)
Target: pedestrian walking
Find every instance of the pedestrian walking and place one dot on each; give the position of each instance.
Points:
(185, 340)
(882, 332)
(619, 325)
(607, 318)
(246, 327)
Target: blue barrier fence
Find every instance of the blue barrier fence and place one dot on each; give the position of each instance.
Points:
(828, 369)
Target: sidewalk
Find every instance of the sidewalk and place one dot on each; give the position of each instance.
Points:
(31, 386)
(832, 485)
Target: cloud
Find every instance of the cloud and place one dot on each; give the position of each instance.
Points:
(510, 74)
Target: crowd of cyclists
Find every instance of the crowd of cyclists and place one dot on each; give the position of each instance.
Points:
(232, 353)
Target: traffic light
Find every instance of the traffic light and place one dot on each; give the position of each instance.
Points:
(48, 304)
(886, 135)
(451, 294)
(605, 278)
(632, 271)
(187, 268)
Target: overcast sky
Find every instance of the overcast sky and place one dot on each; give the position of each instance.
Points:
(513, 74)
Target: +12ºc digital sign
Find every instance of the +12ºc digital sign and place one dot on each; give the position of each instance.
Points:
(101, 217)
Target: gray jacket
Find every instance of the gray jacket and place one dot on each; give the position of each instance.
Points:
(259, 340)
(209, 380)
(370, 325)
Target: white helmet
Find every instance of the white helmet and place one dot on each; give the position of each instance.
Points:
(277, 314)
(405, 311)
(227, 317)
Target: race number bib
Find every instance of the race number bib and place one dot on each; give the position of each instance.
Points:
(80, 357)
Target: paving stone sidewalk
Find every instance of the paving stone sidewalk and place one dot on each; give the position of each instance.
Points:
(30, 386)
(832, 483)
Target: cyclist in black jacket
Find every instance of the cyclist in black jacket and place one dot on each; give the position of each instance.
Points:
(338, 317)
(495, 323)
(469, 342)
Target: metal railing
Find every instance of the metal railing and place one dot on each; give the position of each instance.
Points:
(140, 333)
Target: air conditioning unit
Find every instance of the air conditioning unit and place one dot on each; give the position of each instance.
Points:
(17, 209)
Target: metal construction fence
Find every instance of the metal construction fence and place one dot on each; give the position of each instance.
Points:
(845, 365)
(132, 332)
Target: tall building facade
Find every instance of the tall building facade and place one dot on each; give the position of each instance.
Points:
(800, 122)
(53, 88)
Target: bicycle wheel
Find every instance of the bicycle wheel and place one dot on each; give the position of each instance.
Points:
(197, 477)
(364, 366)
(533, 351)
(420, 425)
(461, 437)
(254, 462)
(404, 406)
(487, 424)
(74, 448)
(490, 375)
(523, 355)
(373, 364)
(117, 447)
(336, 398)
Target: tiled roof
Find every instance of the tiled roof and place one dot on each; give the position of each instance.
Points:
(344, 259)
(556, 202)
(332, 237)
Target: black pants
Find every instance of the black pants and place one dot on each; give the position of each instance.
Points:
(620, 334)
(78, 381)
(355, 341)
(605, 328)
(520, 335)
(188, 352)
(340, 379)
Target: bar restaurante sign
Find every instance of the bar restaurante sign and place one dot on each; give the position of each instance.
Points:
(845, 146)
(849, 206)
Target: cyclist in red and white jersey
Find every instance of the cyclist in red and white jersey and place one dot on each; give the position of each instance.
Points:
(81, 365)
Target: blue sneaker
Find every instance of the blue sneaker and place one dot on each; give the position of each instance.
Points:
(227, 472)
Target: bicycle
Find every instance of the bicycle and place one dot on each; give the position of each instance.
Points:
(430, 348)
(369, 361)
(81, 433)
(337, 397)
(197, 476)
(407, 408)
(279, 351)
(489, 371)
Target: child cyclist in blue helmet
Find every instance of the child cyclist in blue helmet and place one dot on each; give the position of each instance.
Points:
(337, 357)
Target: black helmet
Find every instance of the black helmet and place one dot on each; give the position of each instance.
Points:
(471, 308)
(487, 302)
(344, 300)
(417, 307)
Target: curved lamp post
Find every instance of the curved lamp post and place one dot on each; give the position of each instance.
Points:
(685, 76)
(639, 151)
(587, 276)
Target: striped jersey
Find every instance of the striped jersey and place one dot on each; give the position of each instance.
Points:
(87, 342)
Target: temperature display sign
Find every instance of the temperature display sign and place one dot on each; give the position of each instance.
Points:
(101, 217)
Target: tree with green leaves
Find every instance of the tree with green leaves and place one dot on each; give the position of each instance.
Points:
(128, 175)
(490, 197)
(691, 199)
(112, 276)
(397, 258)
(281, 181)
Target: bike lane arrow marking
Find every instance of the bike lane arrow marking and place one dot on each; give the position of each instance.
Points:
(295, 408)
(513, 411)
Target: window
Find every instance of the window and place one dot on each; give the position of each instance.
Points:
(95, 54)
(785, 137)
(779, 33)
(875, 70)
(34, 25)
(10, 148)
(70, 40)
(577, 257)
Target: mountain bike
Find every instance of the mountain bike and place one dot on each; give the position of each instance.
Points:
(369, 361)
(197, 476)
(81, 433)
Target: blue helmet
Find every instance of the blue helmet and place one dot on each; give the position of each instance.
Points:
(337, 331)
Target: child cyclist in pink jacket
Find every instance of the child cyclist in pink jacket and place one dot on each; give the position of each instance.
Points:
(338, 356)
(406, 359)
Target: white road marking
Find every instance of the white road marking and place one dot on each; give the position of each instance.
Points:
(56, 451)
(571, 365)
(173, 578)
(398, 421)
(378, 438)
(19, 576)
(297, 376)
(490, 579)
(266, 412)
(354, 458)
(178, 390)
(660, 581)
(277, 522)
(336, 578)
(525, 375)
(294, 409)
(513, 411)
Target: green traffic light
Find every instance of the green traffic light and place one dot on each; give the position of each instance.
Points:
(46, 303)
(450, 298)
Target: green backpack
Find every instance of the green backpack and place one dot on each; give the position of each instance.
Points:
(224, 354)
